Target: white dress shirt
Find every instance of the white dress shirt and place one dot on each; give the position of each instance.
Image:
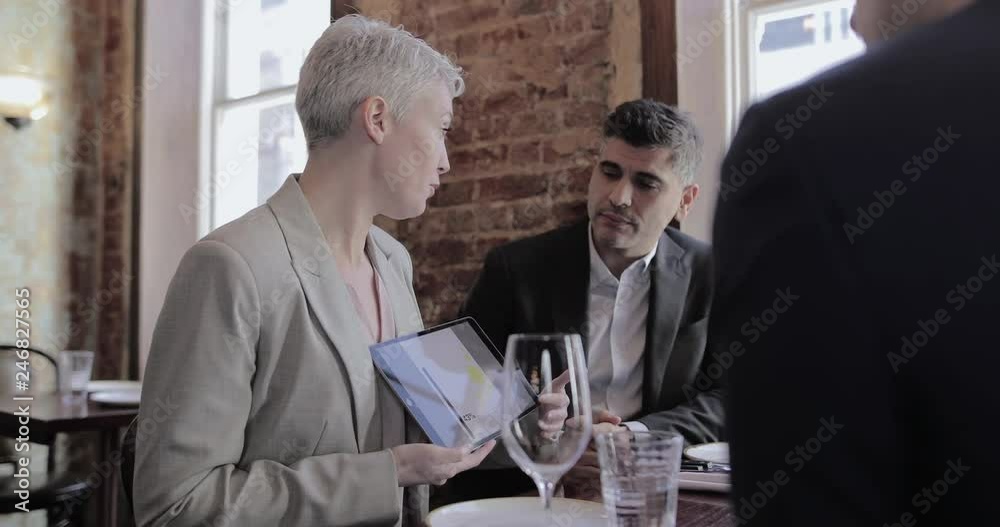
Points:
(616, 335)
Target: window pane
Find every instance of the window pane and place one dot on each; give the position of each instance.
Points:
(267, 41)
(793, 44)
(257, 147)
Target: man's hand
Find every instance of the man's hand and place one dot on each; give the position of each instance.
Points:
(418, 464)
(604, 421)
(553, 405)
(583, 481)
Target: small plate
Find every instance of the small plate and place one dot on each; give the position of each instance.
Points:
(104, 386)
(523, 512)
(117, 398)
(709, 452)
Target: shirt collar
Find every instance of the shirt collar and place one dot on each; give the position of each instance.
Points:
(599, 272)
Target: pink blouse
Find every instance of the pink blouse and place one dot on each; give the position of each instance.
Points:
(389, 423)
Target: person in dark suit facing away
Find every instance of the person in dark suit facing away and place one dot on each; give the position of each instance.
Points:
(868, 196)
(636, 290)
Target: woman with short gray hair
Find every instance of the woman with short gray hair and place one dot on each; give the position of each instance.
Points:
(275, 415)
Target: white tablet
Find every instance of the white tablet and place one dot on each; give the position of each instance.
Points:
(449, 378)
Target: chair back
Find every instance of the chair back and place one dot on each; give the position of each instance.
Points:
(128, 459)
(40, 369)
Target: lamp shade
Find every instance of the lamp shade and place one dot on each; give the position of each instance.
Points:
(22, 96)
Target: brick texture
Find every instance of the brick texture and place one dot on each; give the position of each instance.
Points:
(538, 75)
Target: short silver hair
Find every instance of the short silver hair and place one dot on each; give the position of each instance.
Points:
(648, 123)
(356, 58)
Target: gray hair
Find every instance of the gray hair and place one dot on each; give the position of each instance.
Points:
(356, 58)
(647, 123)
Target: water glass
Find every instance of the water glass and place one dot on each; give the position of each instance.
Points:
(75, 368)
(639, 477)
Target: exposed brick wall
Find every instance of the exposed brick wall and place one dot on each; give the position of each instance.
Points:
(103, 36)
(539, 78)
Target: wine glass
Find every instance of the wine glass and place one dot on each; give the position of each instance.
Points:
(546, 439)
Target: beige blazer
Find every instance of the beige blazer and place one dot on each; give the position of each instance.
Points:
(260, 404)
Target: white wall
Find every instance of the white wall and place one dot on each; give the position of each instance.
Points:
(172, 143)
(704, 41)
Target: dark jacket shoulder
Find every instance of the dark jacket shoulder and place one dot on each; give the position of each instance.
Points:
(699, 251)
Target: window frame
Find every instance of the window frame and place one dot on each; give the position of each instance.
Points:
(218, 103)
(742, 63)
(713, 82)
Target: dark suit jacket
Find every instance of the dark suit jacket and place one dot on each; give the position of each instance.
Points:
(876, 383)
(541, 284)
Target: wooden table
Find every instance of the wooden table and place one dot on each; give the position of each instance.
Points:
(51, 415)
(704, 509)
(694, 508)
(699, 509)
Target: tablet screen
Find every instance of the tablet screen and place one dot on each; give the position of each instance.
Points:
(450, 379)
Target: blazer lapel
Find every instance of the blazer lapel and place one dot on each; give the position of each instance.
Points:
(328, 297)
(405, 310)
(667, 293)
(570, 281)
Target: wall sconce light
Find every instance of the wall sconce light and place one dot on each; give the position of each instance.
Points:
(23, 97)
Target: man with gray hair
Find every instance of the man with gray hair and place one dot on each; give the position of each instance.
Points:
(635, 289)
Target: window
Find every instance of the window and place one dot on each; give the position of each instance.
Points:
(257, 139)
(787, 42)
(732, 53)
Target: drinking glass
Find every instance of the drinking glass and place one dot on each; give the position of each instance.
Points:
(75, 367)
(549, 439)
(639, 477)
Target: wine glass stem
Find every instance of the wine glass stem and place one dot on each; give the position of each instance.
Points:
(545, 490)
